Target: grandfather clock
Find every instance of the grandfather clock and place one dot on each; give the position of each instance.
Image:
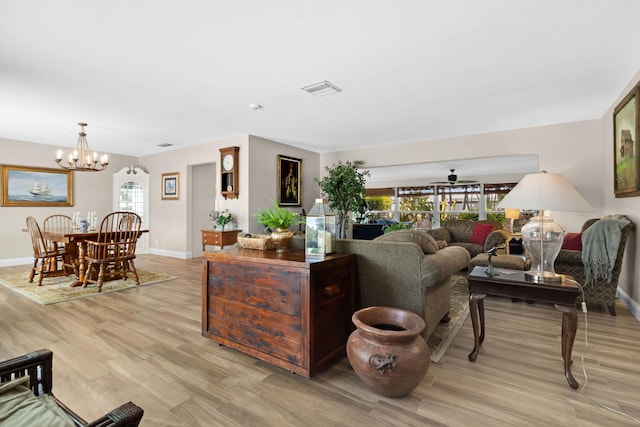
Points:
(229, 172)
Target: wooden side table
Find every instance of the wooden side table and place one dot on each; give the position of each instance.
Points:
(219, 238)
(515, 284)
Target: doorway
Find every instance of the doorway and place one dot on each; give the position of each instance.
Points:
(131, 194)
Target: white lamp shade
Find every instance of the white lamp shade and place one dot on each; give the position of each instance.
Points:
(548, 191)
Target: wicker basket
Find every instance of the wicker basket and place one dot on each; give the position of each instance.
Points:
(261, 242)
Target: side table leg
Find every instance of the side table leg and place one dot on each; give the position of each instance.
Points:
(476, 307)
(569, 328)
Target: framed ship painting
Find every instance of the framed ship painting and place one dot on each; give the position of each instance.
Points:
(33, 186)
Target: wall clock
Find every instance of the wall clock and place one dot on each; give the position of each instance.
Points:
(229, 172)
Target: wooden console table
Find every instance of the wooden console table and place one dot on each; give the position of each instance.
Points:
(288, 310)
(219, 238)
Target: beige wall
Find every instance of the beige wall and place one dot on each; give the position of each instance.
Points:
(263, 164)
(92, 191)
(630, 206)
(581, 151)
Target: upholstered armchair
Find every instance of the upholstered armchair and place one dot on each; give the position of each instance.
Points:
(569, 261)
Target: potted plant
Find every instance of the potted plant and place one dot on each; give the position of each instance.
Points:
(278, 220)
(344, 187)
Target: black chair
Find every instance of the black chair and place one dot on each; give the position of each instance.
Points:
(38, 365)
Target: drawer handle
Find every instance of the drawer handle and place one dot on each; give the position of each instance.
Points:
(331, 290)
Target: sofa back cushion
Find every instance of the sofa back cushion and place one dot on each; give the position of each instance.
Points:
(423, 239)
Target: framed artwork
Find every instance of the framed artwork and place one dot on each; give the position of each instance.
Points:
(289, 181)
(33, 186)
(626, 116)
(171, 186)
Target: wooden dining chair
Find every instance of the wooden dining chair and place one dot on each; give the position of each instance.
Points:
(63, 224)
(114, 250)
(45, 256)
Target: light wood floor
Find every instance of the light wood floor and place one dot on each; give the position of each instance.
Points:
(145, 345)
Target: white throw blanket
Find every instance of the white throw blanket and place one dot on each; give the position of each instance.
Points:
(600, 247)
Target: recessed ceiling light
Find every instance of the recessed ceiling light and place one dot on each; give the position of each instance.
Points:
(256, 106)
(323, 88)
(164, 145)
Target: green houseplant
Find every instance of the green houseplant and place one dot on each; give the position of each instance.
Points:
(278, 220)
(344, 189)
(276, 217)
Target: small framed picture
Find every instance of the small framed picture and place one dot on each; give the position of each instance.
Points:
(289, 179)
(171, 186)
(35, 186)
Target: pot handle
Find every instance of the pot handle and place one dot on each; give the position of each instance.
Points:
(383, 364)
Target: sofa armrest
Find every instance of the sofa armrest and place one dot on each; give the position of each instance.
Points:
(441, 234)
(495, 238)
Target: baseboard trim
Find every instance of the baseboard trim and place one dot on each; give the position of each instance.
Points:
(172, 254)
(630, 303)
(10, 262)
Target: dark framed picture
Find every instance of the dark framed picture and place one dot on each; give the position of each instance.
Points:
(626, 118)
(171, 186)
(34, 186)
(289, 181)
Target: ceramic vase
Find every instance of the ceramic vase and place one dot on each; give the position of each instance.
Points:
(281, 239)
(387, 351)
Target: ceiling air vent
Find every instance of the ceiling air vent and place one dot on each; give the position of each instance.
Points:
(322, 89)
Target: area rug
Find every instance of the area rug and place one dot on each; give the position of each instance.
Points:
(58, 289)
(445, 333)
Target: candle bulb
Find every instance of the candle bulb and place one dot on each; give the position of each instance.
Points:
(59, 156)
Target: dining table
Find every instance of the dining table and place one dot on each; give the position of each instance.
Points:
(75, 240)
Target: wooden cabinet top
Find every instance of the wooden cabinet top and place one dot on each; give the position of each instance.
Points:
(293, 258)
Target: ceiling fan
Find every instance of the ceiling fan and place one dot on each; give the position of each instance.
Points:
(452, 179)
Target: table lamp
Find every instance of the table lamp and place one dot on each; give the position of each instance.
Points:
(511, 214)
(541, 236)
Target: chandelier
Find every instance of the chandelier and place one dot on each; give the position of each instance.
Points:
(82, 159)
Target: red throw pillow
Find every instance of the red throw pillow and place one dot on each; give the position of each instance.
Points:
(480, 233)
(572, 241)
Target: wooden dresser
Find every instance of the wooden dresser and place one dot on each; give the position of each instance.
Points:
(219, 238)
(284, 309)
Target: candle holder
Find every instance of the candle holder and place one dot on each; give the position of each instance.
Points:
(320, 235)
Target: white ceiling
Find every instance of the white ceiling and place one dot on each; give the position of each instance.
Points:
(147, 72)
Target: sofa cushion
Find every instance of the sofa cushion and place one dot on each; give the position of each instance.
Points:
(20, 407)
(424, 240)
(480, 233)
(572, 242)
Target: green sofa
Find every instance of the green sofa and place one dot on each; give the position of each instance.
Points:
(400, 274)
(458, 232)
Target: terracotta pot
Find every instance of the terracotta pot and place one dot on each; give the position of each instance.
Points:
(281, 239)
(387, 351)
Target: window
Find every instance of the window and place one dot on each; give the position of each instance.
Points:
(429, 206)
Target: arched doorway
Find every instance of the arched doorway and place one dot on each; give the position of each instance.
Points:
(131, 193)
